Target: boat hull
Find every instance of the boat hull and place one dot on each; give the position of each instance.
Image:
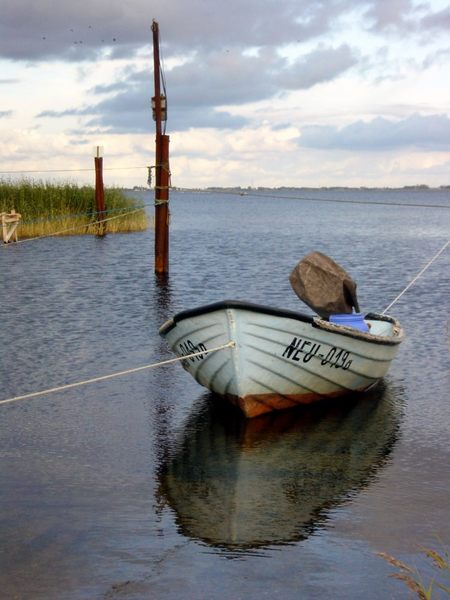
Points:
(279, 358)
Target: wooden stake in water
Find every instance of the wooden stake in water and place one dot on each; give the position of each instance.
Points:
(162, 174)
(99, 191)
(10, 222)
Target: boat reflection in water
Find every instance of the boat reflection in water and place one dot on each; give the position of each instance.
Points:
(240, 484)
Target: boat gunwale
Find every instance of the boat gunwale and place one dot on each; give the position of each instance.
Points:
(233, 304)
(290, 314)
(391, 340)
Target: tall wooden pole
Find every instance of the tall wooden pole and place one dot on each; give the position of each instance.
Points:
(99, 193)
(161, 170)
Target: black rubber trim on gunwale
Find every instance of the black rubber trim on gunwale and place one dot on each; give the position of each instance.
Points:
(224, 304)
(290, 314)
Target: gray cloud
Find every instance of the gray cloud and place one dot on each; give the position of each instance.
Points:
(216, 36)
(181, 120)
(224, 78)
(197, 89)
(78, 142)
(78, 30)
(233, 78)
(439, 57)
(406, 16)
(128, 113)
(437, 21)
(416, 131)
(389, 14)
(70, 112)
(318, 66)
(75, 30)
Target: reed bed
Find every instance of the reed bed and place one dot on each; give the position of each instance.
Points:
(68, 209)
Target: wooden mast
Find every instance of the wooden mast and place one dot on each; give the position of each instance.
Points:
(162, 174)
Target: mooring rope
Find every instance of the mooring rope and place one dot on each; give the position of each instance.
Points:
(79, 226)
(88, 213)
(417, 277)
(69, 170)
(251, 194)
(116, 374)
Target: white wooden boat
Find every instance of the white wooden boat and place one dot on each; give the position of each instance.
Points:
(280, 358)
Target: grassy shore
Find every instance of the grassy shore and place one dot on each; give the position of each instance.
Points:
(68, 209)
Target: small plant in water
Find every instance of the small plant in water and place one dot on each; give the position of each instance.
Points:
(412, 578)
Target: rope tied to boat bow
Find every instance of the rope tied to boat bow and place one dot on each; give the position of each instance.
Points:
(117, 374)
(429, 263)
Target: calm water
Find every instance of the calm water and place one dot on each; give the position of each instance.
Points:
(145, 487)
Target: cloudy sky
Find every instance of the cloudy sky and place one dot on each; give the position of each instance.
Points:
(260, 92)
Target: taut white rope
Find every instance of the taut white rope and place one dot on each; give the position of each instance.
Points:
(417, 277)
(117, 374)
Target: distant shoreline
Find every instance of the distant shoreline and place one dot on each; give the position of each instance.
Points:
(419, 188)
(249, 189)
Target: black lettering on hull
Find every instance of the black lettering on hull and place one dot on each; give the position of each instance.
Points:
(304, 350)
(188, 347)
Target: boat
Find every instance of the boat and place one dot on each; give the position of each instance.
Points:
(276, 359)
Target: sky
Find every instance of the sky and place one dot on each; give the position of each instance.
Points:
(260, 92)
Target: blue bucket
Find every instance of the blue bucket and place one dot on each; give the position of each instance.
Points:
(355, 320)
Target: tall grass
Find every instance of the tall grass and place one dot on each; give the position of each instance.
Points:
(67, 209)
(438, 582)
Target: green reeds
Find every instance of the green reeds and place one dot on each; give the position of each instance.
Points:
(68, 209)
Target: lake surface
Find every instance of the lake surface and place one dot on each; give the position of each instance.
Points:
(146, 486)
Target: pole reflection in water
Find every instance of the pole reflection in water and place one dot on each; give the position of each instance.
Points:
(240, 484)
(163, 296)
(161, 407)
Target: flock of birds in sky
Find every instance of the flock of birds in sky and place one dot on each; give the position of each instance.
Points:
(76, 42)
